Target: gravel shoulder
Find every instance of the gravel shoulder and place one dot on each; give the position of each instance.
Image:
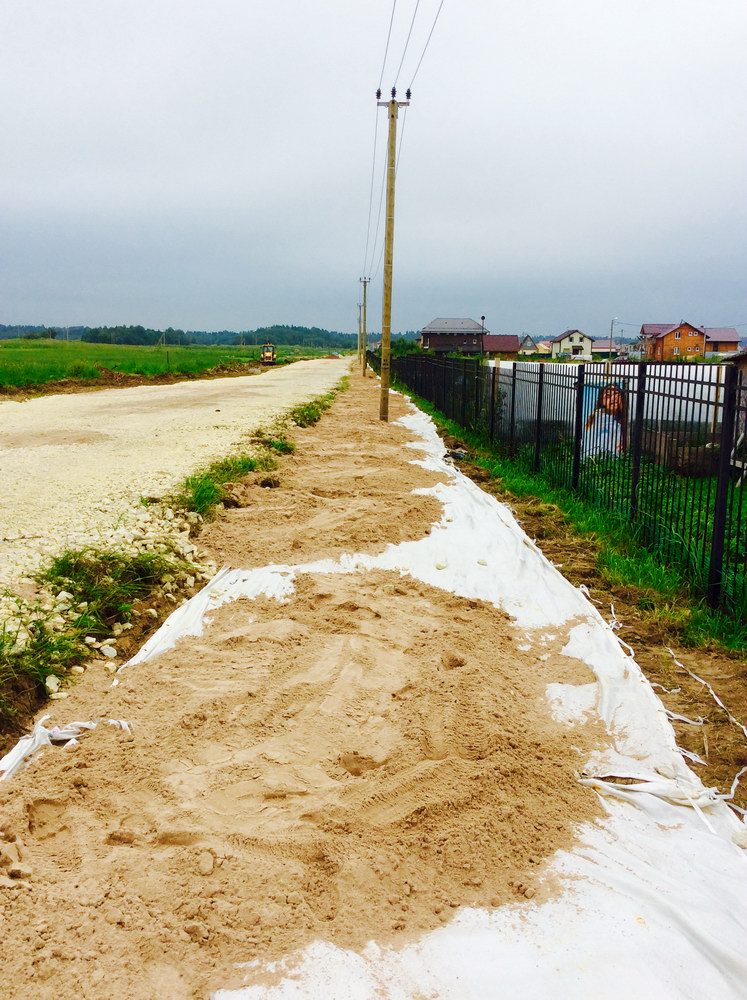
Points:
(75, 466)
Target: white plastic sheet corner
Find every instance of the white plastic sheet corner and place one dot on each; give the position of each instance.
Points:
(30, 745)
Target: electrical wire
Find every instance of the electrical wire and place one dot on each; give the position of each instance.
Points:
(378, 217)
(373, 160)
(407, 42)
(427, 43)
(389, 35)
(396, 168)
(370, 194)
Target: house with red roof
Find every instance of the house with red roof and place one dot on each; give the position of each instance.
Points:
(685, 342)
(722, 340)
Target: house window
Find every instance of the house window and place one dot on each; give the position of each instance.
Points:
(676, 350)
(677, 335)
(697, 348)
(689, 348)
(475, 340)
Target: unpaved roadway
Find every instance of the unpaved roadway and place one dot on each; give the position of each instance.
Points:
(74, 466)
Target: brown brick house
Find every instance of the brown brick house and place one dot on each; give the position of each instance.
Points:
(722, 340)
(673, 341)
(444, 335)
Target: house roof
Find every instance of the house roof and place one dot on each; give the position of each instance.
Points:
(720, 333)
(450, 325)
(605, 344)
(657, 330)
(723, 333)
(567, 333)
(507, 343)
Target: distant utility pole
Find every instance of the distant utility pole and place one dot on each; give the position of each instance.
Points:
(363, 337)
(611, 352)
(386, 317)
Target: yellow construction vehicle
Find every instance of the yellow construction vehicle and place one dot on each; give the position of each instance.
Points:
(267, 354)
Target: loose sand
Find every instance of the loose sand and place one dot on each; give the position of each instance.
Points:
(75, 466)
(353, 764)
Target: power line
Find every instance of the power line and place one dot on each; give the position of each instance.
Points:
(373, 161)
(389, 35)
(378, 218)
(427, 43)
(396, 168)
(407, 42)
(370, 194)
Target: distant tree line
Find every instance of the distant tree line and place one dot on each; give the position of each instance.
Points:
(305, 336)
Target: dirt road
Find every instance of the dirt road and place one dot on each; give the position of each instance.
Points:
(73, 466)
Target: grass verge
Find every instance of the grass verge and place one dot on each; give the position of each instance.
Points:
(661, 592)
(96, 592)
(307, 414)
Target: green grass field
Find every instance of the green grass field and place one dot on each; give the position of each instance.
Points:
(28, 363)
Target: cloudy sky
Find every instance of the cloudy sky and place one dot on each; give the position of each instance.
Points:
(208, 165)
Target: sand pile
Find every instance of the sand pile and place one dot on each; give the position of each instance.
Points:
(353, 764)
(348, 488)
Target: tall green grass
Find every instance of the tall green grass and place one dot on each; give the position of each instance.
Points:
(26, 363)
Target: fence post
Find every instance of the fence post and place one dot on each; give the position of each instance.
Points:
(492, 404)
(478, 391)
(512, 426)
(637, 442)
(538, 428)
(578, 427)
(464, 392)
(728, 415)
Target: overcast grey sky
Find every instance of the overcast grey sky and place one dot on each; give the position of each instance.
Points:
(207, 165)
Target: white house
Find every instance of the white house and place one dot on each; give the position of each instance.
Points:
(572, 342)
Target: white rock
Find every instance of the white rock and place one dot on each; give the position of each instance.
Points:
(109, 651)
(52, 683)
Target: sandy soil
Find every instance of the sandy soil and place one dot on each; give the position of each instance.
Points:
(348, 488)
(355, 763)
(74, 466)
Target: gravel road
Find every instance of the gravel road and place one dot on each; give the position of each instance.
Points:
(74, 466)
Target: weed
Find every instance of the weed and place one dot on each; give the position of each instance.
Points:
(108, 583)
(281, 446)
(100, 587)
(308, 414)
(204, 490)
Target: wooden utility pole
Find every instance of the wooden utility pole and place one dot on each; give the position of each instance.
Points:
(386, 318)
(363, 335)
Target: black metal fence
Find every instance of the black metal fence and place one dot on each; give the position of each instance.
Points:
(662, 446)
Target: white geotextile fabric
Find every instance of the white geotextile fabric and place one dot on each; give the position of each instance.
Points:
(654, 900)
(29, 746)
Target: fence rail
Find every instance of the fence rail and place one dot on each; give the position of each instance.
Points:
(661, 446)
